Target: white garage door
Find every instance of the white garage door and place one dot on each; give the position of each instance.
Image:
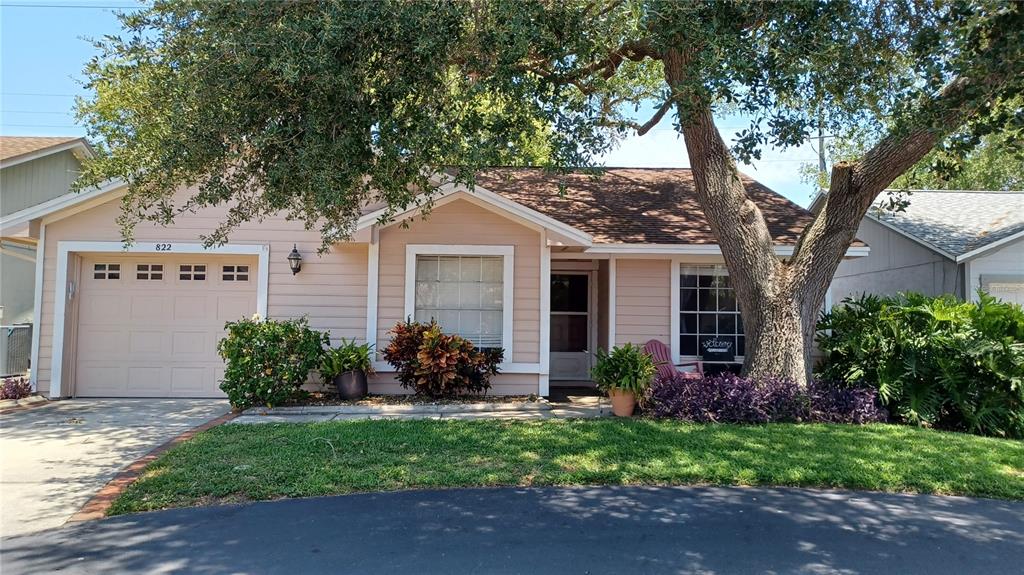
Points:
(148, 326)
(1012, 292)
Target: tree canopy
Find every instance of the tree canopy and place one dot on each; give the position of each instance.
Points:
(315, 108)
(995, 162)
(318, 108)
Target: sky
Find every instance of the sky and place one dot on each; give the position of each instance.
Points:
(44, 44)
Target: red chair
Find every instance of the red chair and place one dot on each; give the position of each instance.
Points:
(663, 359)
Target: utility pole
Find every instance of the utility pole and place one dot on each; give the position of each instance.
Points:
(821, 150)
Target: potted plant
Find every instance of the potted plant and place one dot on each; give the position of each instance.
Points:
(624, 374)
(347, 367)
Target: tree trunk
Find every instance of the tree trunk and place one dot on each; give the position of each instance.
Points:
(774, 317)
(780, 301)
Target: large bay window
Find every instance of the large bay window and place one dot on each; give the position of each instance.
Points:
(466, 289)
(707, 310)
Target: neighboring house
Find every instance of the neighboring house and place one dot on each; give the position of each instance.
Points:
(624, 258)
(32, 171)
(944, 242)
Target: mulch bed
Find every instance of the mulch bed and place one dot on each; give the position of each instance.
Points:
(375, 399)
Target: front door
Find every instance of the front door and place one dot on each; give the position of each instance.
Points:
(571, 323)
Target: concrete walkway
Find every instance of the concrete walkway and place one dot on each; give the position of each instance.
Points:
(54, 458)
(575, 407)
(539, 531)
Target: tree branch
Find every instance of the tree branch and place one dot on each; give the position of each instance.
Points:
(656, 118)
(736, 221)
(855, 186)
(634, 50)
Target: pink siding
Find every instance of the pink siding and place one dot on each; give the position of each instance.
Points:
(464, 223)
(330, 289)
(643, 300)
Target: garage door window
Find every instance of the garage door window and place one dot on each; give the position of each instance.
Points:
(106, 271)
(149, 272)
(192, 272)
(235, 273)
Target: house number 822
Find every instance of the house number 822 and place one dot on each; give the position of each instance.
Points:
(163, 247)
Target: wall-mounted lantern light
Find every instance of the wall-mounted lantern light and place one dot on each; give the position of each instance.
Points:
(295, 260)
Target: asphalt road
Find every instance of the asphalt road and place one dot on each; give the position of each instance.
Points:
(535, 531)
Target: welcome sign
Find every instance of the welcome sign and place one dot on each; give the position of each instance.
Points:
(717, 350)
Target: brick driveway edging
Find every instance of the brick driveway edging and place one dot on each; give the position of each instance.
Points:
(97, 506)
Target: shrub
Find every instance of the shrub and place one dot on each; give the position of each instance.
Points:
(840, 403)
(15, 388)
(437, 364)
(267, 361)
(935, 361)
(348, 356)
(626, 368)
(729, 398)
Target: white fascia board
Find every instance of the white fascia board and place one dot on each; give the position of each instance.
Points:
(693, 250)
(79, 147)
(487, 199)
(60, 203)
(996, 245)
(911, 236)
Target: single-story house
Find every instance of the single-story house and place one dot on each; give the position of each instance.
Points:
(626, 257)
(33, 171)
(944, 242)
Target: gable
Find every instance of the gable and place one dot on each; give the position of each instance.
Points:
(31, 183)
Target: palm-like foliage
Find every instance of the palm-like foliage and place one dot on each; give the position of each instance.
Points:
(936, 361)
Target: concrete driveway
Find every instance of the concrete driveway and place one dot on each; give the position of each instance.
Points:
(53, 459)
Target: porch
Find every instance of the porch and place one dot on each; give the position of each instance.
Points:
(601, 302)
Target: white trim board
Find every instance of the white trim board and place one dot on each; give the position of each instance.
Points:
(507, 287)
(66, 248)
(544, 351)
(674, 327)
(994, 246)
(567, 235)
(613, 319)
(37, 307)
(690, 249)
(78, 145)
(82, 200)
(372, 288)
(910, 236)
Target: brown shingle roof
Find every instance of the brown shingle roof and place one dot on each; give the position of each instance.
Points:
(636, 205)
(14, 146)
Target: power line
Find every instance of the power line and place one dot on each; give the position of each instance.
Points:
(5, 124)
(38, 94)
(86, 6)
(34, 112)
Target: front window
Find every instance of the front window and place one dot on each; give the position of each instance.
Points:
(464, 294)
(708, 312)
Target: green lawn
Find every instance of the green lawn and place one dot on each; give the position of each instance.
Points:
(243, 462)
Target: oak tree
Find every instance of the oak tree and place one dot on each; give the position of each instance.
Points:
(316, 108)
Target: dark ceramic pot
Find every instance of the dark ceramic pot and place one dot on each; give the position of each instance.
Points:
(351, 384)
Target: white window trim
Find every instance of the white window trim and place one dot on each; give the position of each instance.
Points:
(66, 248)
(507, 290)
(675, 328)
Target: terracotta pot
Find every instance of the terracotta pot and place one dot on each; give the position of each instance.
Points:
(623, 402)
(351, 384)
